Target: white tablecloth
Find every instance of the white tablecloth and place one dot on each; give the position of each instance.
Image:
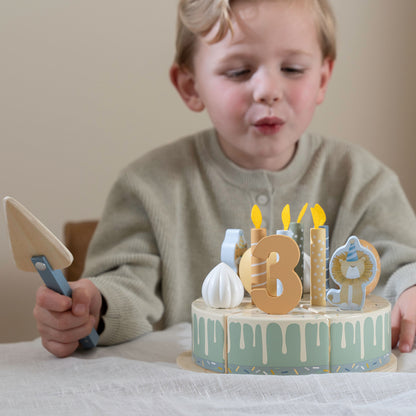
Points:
(141, 377)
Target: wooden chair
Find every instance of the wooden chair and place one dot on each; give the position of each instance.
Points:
(77, 237)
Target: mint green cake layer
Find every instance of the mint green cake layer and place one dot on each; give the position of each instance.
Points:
(364, 338)
(209, 334)
(294, 342)
(208, 337)
(308, 340)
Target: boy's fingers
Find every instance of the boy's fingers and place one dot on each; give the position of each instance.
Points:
(80, 301)
(395, 325)
(67, 336)
(64, 343)
(407, 334)
(58, 349)
(86, 298)
(52, 301)
(61, 321)
(403, 320)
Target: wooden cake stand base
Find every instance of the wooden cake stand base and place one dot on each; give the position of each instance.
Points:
(185, 362)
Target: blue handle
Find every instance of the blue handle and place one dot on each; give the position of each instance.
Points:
(55, 280)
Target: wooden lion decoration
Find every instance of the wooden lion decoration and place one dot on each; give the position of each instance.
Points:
(353, 267)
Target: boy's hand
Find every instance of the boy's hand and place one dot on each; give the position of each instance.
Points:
(403, 320)
(62, 321)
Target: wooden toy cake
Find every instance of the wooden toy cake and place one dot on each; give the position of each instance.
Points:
(281, 329)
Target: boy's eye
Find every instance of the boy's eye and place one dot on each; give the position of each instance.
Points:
(238, 74)
(293, 70)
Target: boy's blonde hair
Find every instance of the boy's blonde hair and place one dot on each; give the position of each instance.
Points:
(198, 17)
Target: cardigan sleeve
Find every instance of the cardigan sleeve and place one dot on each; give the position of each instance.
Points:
(375, 208)
(124, 263)
(390, 223)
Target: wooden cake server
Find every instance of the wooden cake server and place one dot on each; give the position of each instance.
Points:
(36, 248)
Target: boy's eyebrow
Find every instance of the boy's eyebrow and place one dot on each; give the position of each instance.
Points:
(289, 53)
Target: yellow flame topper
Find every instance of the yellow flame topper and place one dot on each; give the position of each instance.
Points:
(318, 216)
(302, 213)
(286, 216)
(256, 216)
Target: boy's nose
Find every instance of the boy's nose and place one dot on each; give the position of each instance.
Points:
(267, 89)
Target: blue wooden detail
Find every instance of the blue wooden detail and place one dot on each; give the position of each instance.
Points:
(233, 248)
(55, 280)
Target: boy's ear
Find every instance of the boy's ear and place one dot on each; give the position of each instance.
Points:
(326, 72)
(184, 82)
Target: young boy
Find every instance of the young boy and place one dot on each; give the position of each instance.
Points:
(259, 68)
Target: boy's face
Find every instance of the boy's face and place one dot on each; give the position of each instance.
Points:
(261, 85)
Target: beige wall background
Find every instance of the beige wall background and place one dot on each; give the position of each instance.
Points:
(84, 90)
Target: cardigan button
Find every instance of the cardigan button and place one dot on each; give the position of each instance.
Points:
(262, 199)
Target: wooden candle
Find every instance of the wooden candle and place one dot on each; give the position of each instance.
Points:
(318, 257)
(258, 265)
(295, 231)
(326, 254)
(288, 252)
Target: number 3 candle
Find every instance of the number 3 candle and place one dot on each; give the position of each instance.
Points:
(283, 270)
(318, 257)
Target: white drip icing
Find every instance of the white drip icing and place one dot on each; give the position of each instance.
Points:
(263, 328)
(242, 344)
(354, 340)
(206, 337)
(362, 337)
(215, 332)
(198, 323)
(283, 327)
(360, 320)
(388, 328)
(318, 338)
(343, 341)
(302, 330)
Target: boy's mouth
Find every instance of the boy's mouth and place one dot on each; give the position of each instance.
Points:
(269, 125)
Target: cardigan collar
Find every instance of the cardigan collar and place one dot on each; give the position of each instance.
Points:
(208, 145)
